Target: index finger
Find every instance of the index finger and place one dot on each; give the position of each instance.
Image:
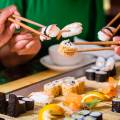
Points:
(6, 13)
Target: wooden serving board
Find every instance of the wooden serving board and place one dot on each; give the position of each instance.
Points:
(104, 107)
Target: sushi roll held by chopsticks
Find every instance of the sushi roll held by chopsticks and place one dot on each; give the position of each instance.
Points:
(65, 46)
(51, 31)
(108, 32)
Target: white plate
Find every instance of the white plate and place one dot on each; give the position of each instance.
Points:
(103, 53)
(47, 62)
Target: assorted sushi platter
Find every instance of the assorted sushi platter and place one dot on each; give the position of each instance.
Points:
(91, 97)
(67, 98)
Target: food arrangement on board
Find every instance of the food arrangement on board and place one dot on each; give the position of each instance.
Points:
(69, 98)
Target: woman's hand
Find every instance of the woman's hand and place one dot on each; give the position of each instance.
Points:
(6, 28)
(117, 48)
(25, 44)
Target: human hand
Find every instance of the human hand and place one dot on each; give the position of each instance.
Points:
(116, 48)
(25, 44)
(6, 28)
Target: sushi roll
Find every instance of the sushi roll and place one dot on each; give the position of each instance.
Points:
(22, 106)
(29, 103)
(2, 103)
(116, 105)
(101, 76)
(67, 48)
(110, 67)
(106, 33)
(84, 112)
(97, 115)
(13, 106)
(94, 67)
(72, 30)
(76, 116)
(100, 62)
(80, 86)
(52, 89)
(90, 74)
(20, 97)
(69, 87)
(51, 30)
(89, 118)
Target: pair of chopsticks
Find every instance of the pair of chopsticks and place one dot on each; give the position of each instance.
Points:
(101, 43)
(11, 19)
(31, 22)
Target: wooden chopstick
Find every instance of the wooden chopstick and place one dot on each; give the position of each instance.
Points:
(26, 27)
(116, 30)
(27, 20)
(90, 49)
(97, 43)
(113, 20)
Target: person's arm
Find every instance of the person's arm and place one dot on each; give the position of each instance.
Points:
(22, 48)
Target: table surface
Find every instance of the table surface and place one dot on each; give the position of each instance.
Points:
(35, 82)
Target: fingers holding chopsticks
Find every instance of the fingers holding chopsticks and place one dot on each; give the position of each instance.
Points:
(6, 28)
(25, 44)
(116, 48)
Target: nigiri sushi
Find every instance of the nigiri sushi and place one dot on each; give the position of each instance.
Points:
(106, 33)
(72, 30)
(67, 48)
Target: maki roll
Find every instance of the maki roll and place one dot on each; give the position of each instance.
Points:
(80, 86)
(100, 62)
(89, 118)
(101, 76)
(52, 88)
(110, 67)
(116, 105)
(2, 103)
(69, 87)
(22, 106)
(29, 103)
(113, 72)
(13, 106)
(90, 74)
(97, 115)
(84, 112)
(76, 116)
(67, 48)
(96, 68)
